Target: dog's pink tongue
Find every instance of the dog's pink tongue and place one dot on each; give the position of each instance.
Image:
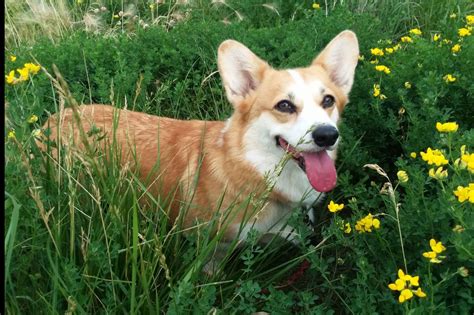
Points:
(320, 170)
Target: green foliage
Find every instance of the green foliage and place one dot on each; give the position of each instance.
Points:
(78, 240)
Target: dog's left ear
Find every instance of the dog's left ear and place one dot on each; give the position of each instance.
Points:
(339, 58)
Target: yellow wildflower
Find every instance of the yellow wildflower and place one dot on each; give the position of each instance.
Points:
(396, 47)
(389, 50)
(316, 6)
(361, 57)
(347, 228)
(464, 32)
(402, 176)
(449, 78)
(447, 127)
(465, 193)
(406, 39)
(405, 285)
(152, 6)
(12, 58)
(24, 74)
(10, 78)
(452, 15)
(374, 62)
(456, 48)
(382, 68)
(435, 157)
(468, 160)
(415, 31)
(367, 223)
(436, 249)
(376, 51)
(413, 155)
(376, 90)
(33, 118)
(436, 37)
(407, 85)
(32, 68)
(334, 207)
(11, 134)
(439, 174)
(470, 19)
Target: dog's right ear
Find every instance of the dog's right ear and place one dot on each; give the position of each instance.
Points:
(241, 70)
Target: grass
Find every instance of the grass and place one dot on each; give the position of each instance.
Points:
(79, 239)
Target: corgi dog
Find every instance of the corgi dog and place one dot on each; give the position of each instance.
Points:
(212, 165)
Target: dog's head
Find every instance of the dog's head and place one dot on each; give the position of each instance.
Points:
(293, 110)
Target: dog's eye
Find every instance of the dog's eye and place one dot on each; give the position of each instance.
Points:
(285, 107)
(328, 101)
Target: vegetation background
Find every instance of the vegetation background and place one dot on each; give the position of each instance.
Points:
(77, 241)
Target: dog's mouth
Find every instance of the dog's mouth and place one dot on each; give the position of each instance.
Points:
(318, 166)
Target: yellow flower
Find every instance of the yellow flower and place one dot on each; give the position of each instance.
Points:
(367, 223)
(24, 74)
(436, 37)
(437, 247)
(316, 6)
(12, 58)
(10, 78)
(407, 85)
(464, 32)
(453, 15)
(152, 6)
(413, 155)
(396, 47)
(361, 57)
(449, 78)
(435, 157)
(404, 284)
(11, 134)
(334, 207)
(468, 159)
(406, 39)
(439, 174)
(470, 19)
(465, 193)
(456, 48)
(447, 127)
(33, 118)
(382, 68)
(347, 228)
(376, 51)
(420, 293)
(376, 90)
(402, 176)
(32, 68)
(389, 50)
(415, 31)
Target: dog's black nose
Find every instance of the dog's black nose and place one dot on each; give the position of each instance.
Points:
(325, 135)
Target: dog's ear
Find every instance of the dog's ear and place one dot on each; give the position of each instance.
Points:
(241, 70)
(339, 58)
